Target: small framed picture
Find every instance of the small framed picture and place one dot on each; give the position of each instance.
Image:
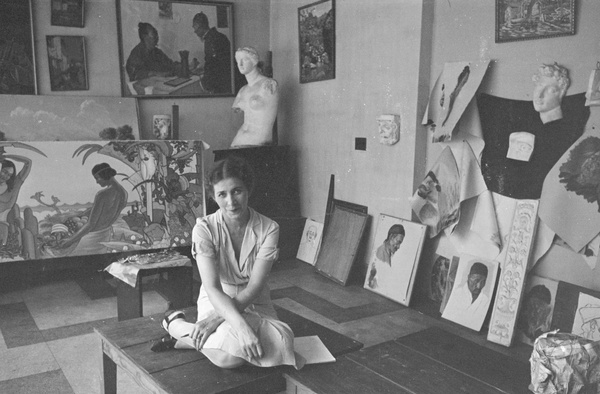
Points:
(66, 63)
(68, 13)
(396, 252)
(529, 20)
(316, 39)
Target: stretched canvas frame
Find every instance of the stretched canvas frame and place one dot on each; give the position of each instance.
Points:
(177, 40)
(522, 20)
(340, 244)
(17, 74)
(395, 279)
(316, 41)
(162, 181)
(68, 118)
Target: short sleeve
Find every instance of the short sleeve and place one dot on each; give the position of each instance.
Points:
(268, 249)
(202, 240)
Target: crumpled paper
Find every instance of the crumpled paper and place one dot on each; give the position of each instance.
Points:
(563, 363)
(126, 269)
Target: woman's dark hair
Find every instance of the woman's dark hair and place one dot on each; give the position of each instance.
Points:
(232, 167)
(11, 181)
(144, 29)
(104, 171)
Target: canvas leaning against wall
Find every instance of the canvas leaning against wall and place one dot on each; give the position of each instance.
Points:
(68, 118)
(80, 198)
(396, 252)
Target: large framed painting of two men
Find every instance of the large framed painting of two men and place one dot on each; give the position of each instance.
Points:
(176, 48)
(396, 249)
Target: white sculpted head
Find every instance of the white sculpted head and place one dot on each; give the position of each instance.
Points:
(551, 83)
(389, 129)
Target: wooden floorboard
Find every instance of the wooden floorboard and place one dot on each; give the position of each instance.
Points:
(507, 374)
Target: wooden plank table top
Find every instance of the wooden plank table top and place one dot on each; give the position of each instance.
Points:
(431, 361)
(126, 345)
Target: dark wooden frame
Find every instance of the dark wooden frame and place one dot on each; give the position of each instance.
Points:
(340, 243)
(174, 26)
(316, 55)
(554, 22)
(17, 49)
(75, 76)
(73, 14)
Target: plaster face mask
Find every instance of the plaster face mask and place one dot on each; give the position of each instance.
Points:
(389, 129)
(521, 144)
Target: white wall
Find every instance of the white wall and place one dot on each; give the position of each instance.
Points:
(464, 30)
(378, 49)
(210, 119)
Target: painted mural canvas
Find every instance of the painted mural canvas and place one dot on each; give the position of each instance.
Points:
(68, 118)
(396, 252)
(79, 198)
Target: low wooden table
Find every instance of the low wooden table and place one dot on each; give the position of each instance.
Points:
(431, 361)
(126, 344)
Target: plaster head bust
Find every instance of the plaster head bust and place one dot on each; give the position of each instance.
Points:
(551, 83)
(247, 59)
(389, 129)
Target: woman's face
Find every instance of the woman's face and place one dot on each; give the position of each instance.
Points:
(151, 39)
(100, 181)
(6, 173)
(245, 62)
(232, 197)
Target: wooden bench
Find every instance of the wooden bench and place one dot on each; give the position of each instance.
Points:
(430, 361)
(126, 344)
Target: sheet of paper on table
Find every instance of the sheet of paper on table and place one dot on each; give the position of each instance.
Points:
(313, 350)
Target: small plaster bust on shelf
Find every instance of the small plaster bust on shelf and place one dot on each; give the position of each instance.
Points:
(258, 100)
(389, 129)
(551, 83)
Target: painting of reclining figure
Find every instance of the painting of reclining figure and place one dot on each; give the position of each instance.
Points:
(79, 198)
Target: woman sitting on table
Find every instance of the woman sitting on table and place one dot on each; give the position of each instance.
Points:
(146, 60)
(235, 248)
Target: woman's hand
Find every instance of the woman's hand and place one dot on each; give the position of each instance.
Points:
(204, 328)
(249, 342)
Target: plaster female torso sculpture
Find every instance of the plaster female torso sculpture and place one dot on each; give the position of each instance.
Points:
(258, 100)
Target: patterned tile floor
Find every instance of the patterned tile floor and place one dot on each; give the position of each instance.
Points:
(47, 343)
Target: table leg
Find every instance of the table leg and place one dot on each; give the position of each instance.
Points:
(129, 300)
(178, 288)
(108, 376)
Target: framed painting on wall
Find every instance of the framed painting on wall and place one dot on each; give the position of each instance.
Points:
(176, 48)
(316, 40)
(532, 19)
(17, 55)
(66, 63)
(69, 13)
(396, 252)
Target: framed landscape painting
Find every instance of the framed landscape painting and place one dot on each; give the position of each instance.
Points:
(191, 44)
(316, 33)
(528, 20)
